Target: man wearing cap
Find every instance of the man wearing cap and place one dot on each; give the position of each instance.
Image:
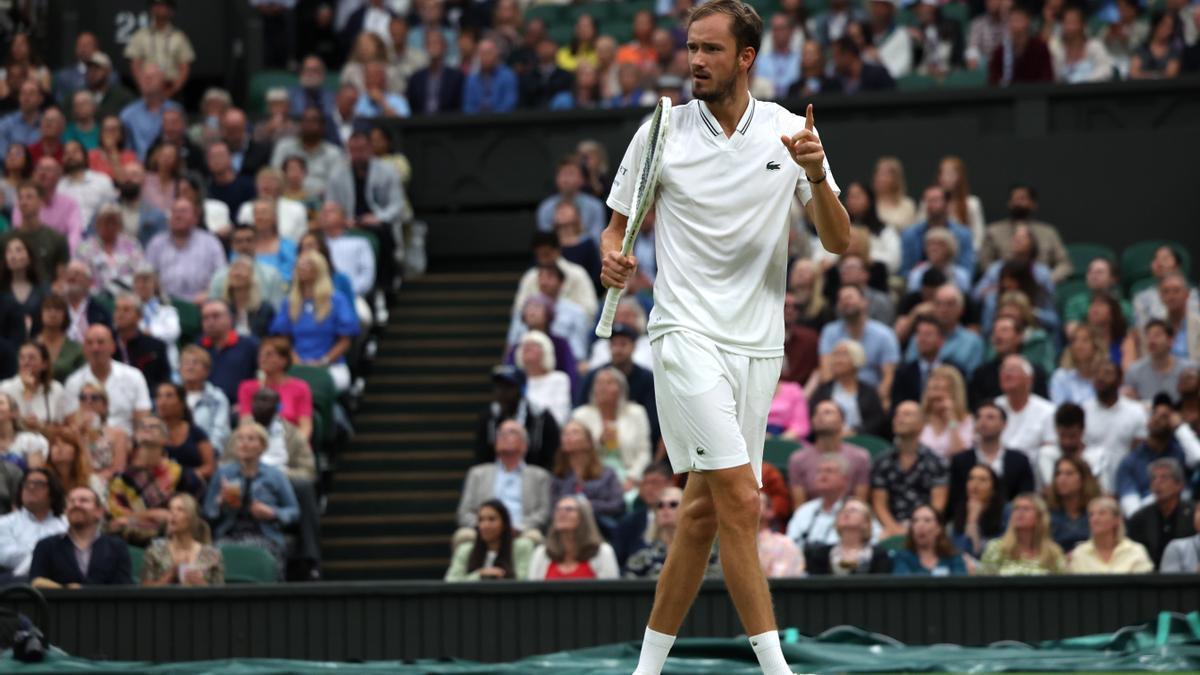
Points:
(891, 40)
(111, 96)
(23, 125)
(509, 403)
(162, 44)
(73, 77)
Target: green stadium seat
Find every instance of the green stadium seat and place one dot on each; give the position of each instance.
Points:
(551, 14)
(1068, 289)
(136, 562)
(874, 445)
(189, 320)
(1141, 285)
(777, 451)
(324, 394)
(894, 543)
(1135, 260)
(966, 79)
(561, 32)
(1083, 253)
(905, 17)
(627, 10)
(262, 81)
(248, 565)
(915, 82)
(957, 11)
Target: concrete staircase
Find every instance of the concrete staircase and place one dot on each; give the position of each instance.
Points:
(396, 486)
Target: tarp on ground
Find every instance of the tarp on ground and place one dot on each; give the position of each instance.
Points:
(1171, 643)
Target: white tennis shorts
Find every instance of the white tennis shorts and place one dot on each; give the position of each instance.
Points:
(712, 403)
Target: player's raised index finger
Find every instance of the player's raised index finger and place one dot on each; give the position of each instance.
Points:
(808, 118)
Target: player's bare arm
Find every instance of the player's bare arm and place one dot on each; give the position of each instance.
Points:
(825, 211)
(616, 269)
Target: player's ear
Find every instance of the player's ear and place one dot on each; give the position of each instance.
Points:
(747, 57)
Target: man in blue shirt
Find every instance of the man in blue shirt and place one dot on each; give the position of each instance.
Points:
(568, 178)
(877, 340)
(24, 125)
(960, 346)
(234, 357)
(143, 118)
(376, 100)
(493, 89)
(912, 241)
(1167, 436)
(780, 64)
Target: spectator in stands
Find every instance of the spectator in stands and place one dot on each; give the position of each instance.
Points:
(941, 250)
(270, 247)
(18, 168)
(569, 321)
(159, 317)
(1022, 256)
(851, 74)
(1026, 547)
(249, 501)
(83, 555)
(47, 248)
(39, 398)
(143, 117)
(351, 255)
(1167, 436)
(1125, 35)
(207, 404)
(884, 239)
(800, 359)
(1029, 417)
(225, 184)
(538, 314)
(937, 43)
(253, 315)
(185, 556)
(494, 553)
(1068, 426)
(949, 428)
(546, 388)
(1006, 341)
(574, 548)
(910, 475)
(186, 442)
(788, 416)
(67, 460)
(24, 124)
(1022, 56)
(58, 211)
(828, 423)
(26, 449)
(543, 81)
(112, 155)
(777, 553)
(234, 357)
(1068, 494)
(541, 431)
(1072, 381)
(376, 99)
(295, 181)
(577, 286)
(1160, 56)
(163, 45)
(578, 470)
(185, 256)
(320, 156)
(1078, 57)
(89, 189)
(977, 518)
(857, 400)
(623, 346)
(1104, 315)
(812, 78)
(50, 137)
(852, 552)
(1036, 323)
(141, 220)
(935, 204)
(135, 348)
(1114, 423)
(1148, 303)
(620, 426)
(893, 204)
(139, 495)
(998, 238)
(267, 279)
(892, 42)
(161, 186)
(781, 63)
(493, 88)
(577, 247)
(927, 549)
(1108, 550)
(128, 396)
(1182, 555)
(437, 88)
(38, 503)
(1174, 295)
(21, 289)
(288, 448)
(1011, 467)
(84, 310)
(321, 323)
(109, 95)
(853, 270)
(524, 489)
(648, 562)
(311, 91)
(66, 355)
(569, 182)
(925, 352)
(344, 119)
(828, 27)
(881, 350)
(1159, 370)
(633, 532)
(631, 314)
(1169, 516)
(106, 445)
(71, 78)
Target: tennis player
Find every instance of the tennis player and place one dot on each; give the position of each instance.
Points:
(730, 169)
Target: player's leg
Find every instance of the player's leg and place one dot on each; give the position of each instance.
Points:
(735, 497)
(687, 560)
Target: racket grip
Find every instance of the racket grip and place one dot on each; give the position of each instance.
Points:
(611, 298)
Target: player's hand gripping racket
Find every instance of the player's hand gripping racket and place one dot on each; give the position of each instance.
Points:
(643, 198)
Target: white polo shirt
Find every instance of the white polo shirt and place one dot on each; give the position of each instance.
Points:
(126, 389)
(721, 231)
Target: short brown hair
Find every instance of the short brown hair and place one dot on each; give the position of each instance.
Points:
(745, 23)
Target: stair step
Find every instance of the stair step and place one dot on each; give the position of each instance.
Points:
(412, 418)
(405, 456)
(383, 497)
(418, 475)
(477, 347)
(387, 564)
(399, 437)
(499, 311)
(400, 505)
(443, 278)
(414, 328)
(391, 519)
(471, 399)
(440, 379)
(478, 364)
(437, 547)
(451, 295)
(401, 540)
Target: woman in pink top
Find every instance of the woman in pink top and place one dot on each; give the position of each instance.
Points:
(295, 398)
(112, 155)
(788, 417)
(948, 426)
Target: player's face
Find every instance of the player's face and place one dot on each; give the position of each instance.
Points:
(714, 59)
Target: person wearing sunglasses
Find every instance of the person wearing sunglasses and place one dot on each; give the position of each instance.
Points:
(648, 563)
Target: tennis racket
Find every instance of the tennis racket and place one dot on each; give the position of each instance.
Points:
(643, 197)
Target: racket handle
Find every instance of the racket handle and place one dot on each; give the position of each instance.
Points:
(611, 299)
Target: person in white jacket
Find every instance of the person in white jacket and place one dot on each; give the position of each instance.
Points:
(574, 548)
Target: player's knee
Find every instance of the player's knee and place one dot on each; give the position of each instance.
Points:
(740, 508)
(698, 521)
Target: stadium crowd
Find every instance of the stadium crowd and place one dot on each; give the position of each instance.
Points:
(957, 397)
(187, 310)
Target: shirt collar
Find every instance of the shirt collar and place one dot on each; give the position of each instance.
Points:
(231, 339)
(500, 467)
(715, 128)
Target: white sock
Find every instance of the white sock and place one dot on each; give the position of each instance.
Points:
(770, 655)
(655, 647)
